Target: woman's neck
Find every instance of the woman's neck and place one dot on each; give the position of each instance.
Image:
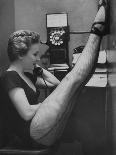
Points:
(16, 67)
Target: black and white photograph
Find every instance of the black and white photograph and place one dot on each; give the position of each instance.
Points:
(57, 77)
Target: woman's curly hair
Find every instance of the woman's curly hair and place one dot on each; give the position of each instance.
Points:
(20, 42)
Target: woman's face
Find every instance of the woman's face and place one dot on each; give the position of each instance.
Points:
(31, 57)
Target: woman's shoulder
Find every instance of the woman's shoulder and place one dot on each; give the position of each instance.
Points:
(9, 75)
(10, 79)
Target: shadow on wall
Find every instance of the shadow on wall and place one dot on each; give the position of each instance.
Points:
(6, 28)
(87, 124)
(80, 17)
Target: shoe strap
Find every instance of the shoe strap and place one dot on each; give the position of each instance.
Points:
(96, 30)
(102, 4)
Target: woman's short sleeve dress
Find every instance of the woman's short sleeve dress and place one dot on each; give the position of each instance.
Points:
(15, 123)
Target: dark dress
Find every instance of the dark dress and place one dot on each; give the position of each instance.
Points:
(13, 121)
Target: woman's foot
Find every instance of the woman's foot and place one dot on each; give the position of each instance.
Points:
(99, 26)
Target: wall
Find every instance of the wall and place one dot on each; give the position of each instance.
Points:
(86, 128)
(31, 14)
(6, 27)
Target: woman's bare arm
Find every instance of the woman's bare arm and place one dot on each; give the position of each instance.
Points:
(20, 102)
(49, 78)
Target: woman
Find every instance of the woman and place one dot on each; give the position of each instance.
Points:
(43, 123)
(20, 86)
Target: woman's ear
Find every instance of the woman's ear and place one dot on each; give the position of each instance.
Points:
(20, 57)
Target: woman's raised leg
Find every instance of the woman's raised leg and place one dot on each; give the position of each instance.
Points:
(51, 117)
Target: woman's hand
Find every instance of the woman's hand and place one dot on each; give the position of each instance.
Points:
(47, 78)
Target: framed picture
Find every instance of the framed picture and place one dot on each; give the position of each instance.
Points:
(57, 20)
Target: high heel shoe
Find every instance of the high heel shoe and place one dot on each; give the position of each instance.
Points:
(106, 5)
(105, 23)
